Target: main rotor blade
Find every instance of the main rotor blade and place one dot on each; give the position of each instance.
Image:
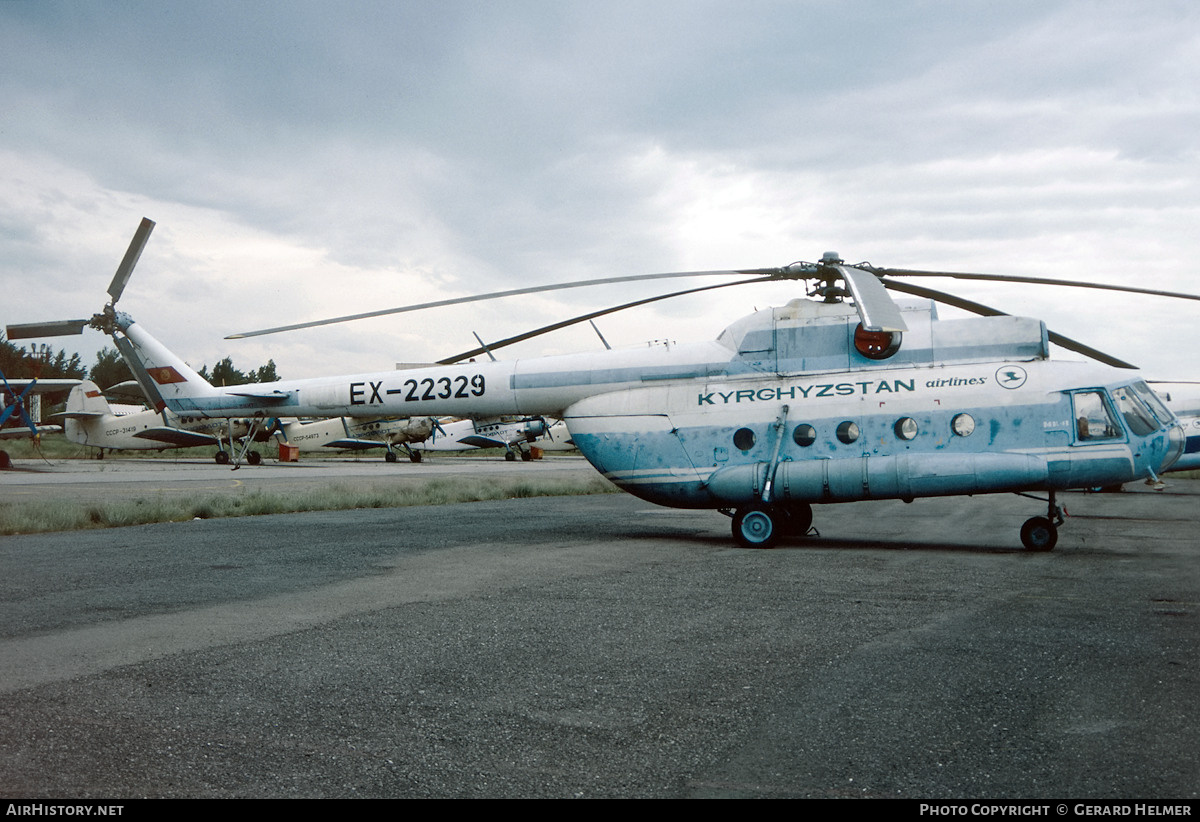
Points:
(1006, 278)
(987, 311)
(546, 329)
(125, 269)
(60, 328)
(758, 272)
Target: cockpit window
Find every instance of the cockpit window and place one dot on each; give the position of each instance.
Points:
(1157, 406)
(1093, 420)
(1141, 422)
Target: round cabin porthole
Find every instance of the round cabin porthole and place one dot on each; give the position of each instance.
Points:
(848, 432)
(804, 435)
(743, 439)
(906, 428)
(876, 345)
(963, 425)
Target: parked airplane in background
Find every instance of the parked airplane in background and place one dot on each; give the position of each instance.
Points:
(352, 434)
(419, 434)
(91, 420)
(15, 396)
(20, 400)
(513, 435)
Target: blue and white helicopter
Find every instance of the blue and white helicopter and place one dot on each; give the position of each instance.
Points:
(815, 402)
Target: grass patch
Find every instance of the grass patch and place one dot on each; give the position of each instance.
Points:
(30, 517)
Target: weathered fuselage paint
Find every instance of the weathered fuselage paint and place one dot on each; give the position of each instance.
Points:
(780, 405)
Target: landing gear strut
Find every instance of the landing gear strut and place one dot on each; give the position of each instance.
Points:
(1041, 533)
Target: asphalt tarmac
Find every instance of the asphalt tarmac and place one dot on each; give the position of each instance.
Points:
(598, 647)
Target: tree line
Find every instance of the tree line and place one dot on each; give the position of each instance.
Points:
(109, 369)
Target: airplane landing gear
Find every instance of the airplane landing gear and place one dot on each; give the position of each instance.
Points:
(222, 458)
(1041, 533)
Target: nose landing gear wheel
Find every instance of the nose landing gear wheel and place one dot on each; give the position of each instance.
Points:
(755, 528)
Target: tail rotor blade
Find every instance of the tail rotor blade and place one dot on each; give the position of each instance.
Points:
(60, 328)
(125, 269)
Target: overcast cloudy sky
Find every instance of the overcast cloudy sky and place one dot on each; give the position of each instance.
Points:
(312, 159)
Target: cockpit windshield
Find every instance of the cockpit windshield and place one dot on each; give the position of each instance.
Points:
(1137, 415)
(1157, 406)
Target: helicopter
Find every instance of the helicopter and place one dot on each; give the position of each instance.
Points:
(848, 397)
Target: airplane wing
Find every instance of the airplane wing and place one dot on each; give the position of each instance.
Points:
(42, 386)
(22, 432)
(176, 436)
(352, 444)
(479, 441)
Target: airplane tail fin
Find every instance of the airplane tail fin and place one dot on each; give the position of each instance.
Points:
(85, 404)
(86, 399)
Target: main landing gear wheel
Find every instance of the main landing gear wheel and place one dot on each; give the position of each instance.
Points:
(389, 457)
(526, 456)
(222, 458)
(510, 456)
(415, 456)
(1039, 534)
(254, 458)
(756, 527)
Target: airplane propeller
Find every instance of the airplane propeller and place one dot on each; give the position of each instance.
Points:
(15, 404)
(62, 328)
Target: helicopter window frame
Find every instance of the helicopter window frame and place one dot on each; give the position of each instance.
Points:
(906, 429)
(1095, 418)
(804, 435)
(848, 432)
(962, 425)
